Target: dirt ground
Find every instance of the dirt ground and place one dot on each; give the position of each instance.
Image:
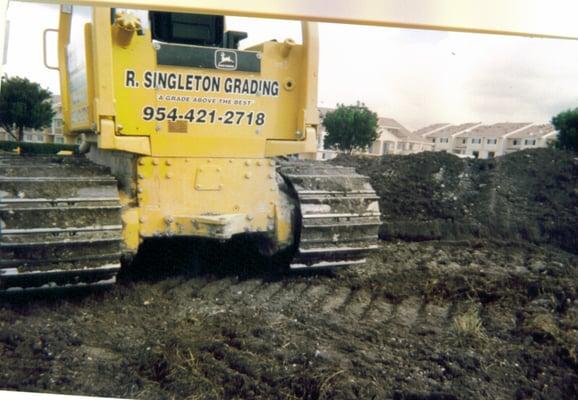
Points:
(470, 320)
(487, 312)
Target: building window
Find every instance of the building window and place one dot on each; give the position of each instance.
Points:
(492, 141)
(491, 154)
(400, 146)
(476, 154)
(476, 141)
(516, 142)
(530, 142)
(433, 140)
(464, 141)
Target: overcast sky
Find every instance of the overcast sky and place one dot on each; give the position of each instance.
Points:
(416, 77)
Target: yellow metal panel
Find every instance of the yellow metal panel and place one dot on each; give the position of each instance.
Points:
(103, 71)
(109, 140)
(276, 148)
(130, 232)
(537, 18)
(219, 145)
(309, 72)
(63, 40)
(209, 177)
(235, 196)
(134, 144)
(282, 113)
(139, 56)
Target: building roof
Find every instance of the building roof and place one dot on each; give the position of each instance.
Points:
(452, 130)
(494, 130)
(400, 131)
(534, 131)
(430, 128)
(389, 123)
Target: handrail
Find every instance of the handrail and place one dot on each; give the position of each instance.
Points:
(44, 58)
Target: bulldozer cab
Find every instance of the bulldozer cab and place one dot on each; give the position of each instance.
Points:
(193, 29)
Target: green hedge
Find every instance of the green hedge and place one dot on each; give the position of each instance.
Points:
(8, 146)
(38, 148)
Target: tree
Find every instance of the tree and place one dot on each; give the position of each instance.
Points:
(24, 104)
(566, 123)
(350, 128)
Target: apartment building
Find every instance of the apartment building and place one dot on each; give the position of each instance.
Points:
(444, 138)
(54, 133)
(393, 138)
(532, 136)
(479, 140)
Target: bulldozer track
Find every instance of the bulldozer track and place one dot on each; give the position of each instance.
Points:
(338, 217)
(60, 223)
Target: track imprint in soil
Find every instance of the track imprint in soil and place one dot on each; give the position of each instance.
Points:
(403, 326)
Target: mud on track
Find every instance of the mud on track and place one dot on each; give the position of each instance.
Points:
(419, 321)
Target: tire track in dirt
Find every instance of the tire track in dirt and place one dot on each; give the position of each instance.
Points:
(314, 295)
(341, 303)
(213, 289)
(267, 290)
(379, 310)
(242, 291)
(335, 300)
(356, 304)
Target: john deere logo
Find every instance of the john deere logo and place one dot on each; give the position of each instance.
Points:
(225, 59)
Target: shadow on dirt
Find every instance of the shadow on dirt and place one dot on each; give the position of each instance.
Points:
(53, 295)
(162, 258)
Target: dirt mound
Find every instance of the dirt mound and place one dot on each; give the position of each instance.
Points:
(417, 322)
(524, 196)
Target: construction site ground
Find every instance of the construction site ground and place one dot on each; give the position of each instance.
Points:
(471, 317)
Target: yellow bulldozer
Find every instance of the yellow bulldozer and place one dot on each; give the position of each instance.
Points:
(185, 134)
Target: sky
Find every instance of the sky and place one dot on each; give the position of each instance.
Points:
(416, 77)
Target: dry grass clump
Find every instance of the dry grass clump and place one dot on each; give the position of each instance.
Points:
(542, 327)
(467, 328)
